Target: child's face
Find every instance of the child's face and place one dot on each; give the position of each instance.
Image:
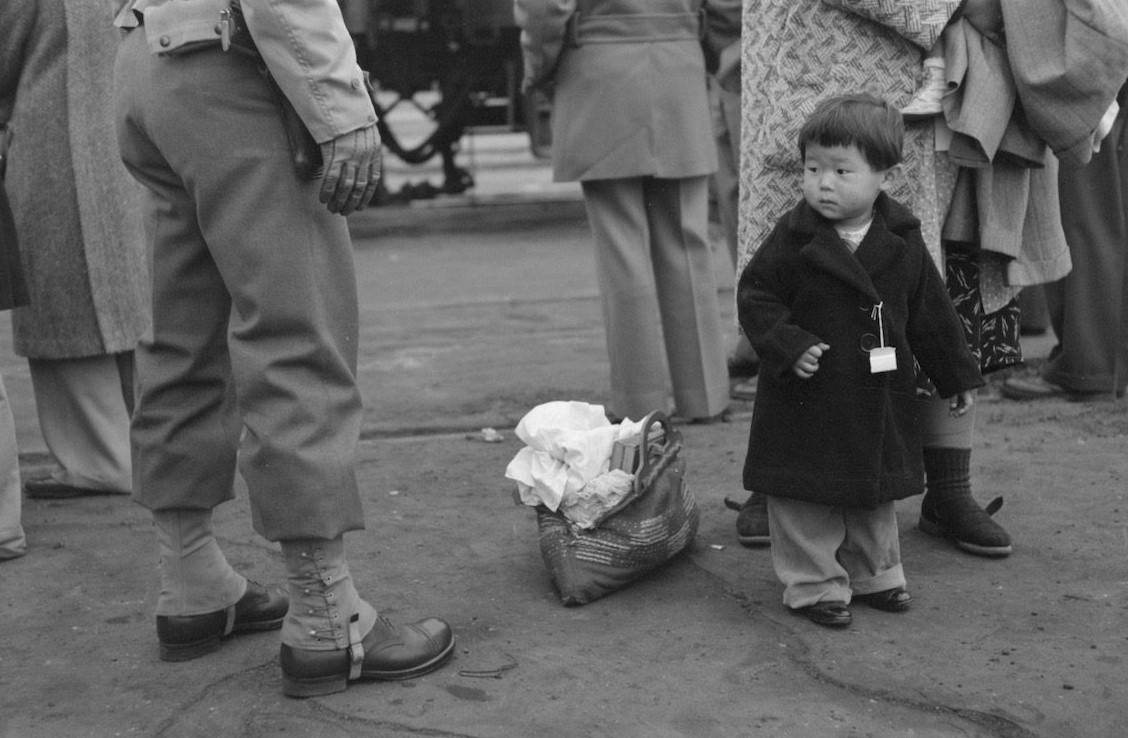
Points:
(840, 184)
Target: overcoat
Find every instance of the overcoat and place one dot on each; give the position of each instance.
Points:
(846, 436)
(621, 109)
(76, 209)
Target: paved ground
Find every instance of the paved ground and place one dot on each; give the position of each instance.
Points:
(474, 311)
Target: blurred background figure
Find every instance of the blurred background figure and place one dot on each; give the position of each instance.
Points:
(1088, 309)
(13, 291)
(724, 101)
(77, 218)
(631, 123)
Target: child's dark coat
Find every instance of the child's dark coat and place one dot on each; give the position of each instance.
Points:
(845, 436)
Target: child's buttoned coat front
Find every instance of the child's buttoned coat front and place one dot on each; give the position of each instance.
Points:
(846, 436)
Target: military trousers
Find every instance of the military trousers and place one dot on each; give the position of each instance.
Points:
(251, 365)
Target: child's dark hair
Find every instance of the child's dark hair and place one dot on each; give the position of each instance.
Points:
(861, 120)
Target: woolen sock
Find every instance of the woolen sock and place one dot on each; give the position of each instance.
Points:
(947, 473)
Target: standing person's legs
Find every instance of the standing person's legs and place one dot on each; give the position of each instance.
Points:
(13, 543)
(948, 510)
(742, 359)
(237, 236)
(639, 377)
(1089, 307)
(84, 418)
(678, 213)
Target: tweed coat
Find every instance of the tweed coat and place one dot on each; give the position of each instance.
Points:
(75, 206)
(846, 436)
(620, 109)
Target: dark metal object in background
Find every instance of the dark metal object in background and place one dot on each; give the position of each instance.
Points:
(456, 61)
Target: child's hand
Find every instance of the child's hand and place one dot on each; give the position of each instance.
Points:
(807, 364)
(961, 403)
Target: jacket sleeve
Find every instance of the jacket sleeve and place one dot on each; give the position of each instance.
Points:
(936, 335)
(543, 25)
(309, 52)
(763, 308)
(915, 21)
(1064, 93)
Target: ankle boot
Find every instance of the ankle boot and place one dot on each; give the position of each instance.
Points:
(949, 511)
(933, 87)
(202, 599)
(331, 636)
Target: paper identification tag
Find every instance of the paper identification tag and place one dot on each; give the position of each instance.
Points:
(883, 359)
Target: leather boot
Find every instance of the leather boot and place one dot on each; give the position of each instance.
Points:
(202, 599)
(331, 636)
(949, 511)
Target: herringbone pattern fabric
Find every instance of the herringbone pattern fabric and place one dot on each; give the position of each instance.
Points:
(798, 52)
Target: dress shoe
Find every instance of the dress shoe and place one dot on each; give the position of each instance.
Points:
(831, 613)
(388, 653)
(46, 488)
(896, 599)
(185, 637)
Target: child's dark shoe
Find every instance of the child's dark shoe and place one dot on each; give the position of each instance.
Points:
(889, 600)
(832, 613)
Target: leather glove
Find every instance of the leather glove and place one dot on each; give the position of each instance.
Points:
(352, 163)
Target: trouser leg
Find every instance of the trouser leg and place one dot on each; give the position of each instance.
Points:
(254, 303)
(84, 419)
(805, 542)
(13, 542)
(871, 551)
(629, 296)
(677, 211)
(1089, 307)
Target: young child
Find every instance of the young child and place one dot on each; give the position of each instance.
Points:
(838, 302)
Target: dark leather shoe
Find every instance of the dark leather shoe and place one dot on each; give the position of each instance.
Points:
(889, 600)
(185, 637)
(752, 521)
(46, 488)
(389, 652)
(832, 614)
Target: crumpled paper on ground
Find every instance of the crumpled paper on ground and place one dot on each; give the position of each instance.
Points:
(568, 447)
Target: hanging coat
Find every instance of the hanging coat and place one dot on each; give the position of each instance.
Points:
(76, 208)
(628, 83)
(846, 436)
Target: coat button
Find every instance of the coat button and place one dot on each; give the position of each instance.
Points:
(165, 41)
(355, 84)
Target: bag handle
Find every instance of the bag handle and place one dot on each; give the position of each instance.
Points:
(649, 470)
(650, 467)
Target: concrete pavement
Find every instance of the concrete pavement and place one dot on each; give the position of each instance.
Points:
(470, 317)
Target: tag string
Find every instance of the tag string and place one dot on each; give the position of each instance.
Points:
(875, 314)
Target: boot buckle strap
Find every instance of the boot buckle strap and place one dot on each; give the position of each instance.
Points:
(356, 648)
